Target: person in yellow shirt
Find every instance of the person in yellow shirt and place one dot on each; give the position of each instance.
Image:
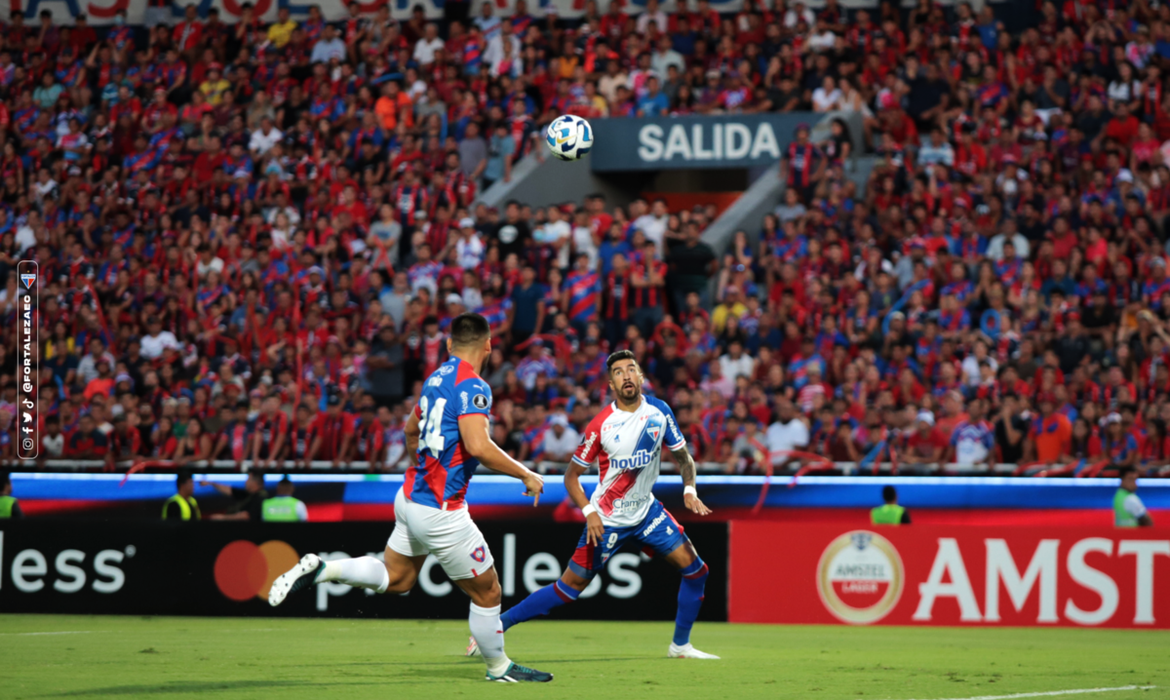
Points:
(732, 306)
(215, 86)
(281, 31)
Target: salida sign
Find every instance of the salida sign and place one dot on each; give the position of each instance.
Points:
(667, 143)
(950, 576)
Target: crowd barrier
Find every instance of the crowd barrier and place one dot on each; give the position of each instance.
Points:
(226, 569)
(845, 500)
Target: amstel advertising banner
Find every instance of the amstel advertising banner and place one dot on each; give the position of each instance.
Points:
(911, 575)
(208, 568)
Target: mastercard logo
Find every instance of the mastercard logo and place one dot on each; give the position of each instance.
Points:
(244, 569)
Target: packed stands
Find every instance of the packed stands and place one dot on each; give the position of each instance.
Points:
(251, 237)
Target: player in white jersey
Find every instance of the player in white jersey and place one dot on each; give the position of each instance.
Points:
(449, 440)
(626, 440)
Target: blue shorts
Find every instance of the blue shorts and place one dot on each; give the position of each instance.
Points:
(659, 531)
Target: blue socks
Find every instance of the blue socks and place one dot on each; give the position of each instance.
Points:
(542, 602)
(690, 599)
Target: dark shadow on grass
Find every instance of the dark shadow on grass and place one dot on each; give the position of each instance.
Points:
(176, 687)
(537, 660)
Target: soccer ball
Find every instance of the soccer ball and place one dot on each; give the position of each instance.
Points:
(569, 137)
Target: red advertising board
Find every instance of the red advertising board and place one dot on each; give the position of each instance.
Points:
(949, 575)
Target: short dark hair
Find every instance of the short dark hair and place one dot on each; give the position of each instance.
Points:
(618, 356)
(469, 329)
(256, 473)
(181, 478)
(889, 494)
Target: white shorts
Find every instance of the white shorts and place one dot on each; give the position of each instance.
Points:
(450, 535)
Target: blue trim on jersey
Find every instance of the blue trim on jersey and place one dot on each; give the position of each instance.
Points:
(673, 439)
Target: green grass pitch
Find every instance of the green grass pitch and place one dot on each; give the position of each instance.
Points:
(288, 659)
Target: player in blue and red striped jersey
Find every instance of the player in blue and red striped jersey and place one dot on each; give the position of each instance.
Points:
(626, 439)
(449, 434)
(582, 294)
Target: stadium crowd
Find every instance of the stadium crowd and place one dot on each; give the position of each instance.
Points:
(250, 237)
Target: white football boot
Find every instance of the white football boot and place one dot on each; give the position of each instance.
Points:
(304, 574)
(687, 651)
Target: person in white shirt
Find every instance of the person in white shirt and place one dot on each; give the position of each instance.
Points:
(560, 440)
(53, 441)
(799, 13)
(1007, 244)
(208, 262)
(583, 242)
(489, 25)
(87, 368)
(425, 48)
(666, 56)
(469, 249)
(827, 97)
(328, 47)
(557, 234)
(937, 151)
(26, 234)
(494, 53)
(821, 38)
(156, 340)
(652, 14)
(264, 138)
(735, 363)
(788, 433)
(653, 225)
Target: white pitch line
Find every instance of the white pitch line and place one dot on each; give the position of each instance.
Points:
(1051, 693)
(36, 634)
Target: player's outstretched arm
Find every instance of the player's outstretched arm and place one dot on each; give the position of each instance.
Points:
(686, 467)
(477, 440)
(594, 527)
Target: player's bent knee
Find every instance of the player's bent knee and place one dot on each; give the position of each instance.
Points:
(402, 584)
(572, 580)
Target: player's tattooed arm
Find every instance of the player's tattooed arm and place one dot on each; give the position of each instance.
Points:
(686, 467)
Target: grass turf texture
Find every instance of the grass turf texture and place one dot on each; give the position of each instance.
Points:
(288, 659)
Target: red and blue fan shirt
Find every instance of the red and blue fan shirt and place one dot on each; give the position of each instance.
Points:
(584, 288)
(443, 468)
